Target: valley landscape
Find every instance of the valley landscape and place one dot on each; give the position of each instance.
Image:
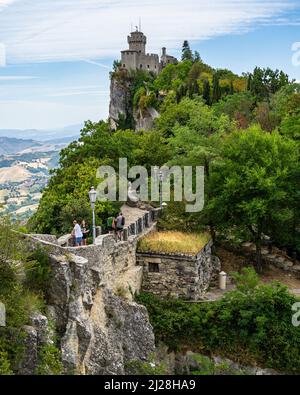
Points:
(25, 166)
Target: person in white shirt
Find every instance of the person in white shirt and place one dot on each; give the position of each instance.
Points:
(77, 232)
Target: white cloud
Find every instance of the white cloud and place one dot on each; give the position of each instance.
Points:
(16, 77)
(91, 29)
(5, 3)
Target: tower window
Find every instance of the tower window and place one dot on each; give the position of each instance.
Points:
(153, 267)
(148, 66)
(141, 66)
(124, 65)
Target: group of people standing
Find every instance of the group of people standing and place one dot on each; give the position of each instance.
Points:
(80, 232)
(115, 225)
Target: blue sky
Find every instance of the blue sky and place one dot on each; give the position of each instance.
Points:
(55, 55)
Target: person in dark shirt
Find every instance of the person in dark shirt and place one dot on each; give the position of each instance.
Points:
(85, 232)
(120, 222)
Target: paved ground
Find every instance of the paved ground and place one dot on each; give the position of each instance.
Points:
(233, 262)
(132, 214)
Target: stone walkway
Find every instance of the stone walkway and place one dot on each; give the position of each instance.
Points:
(132, 214)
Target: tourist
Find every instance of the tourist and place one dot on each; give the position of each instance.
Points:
(120, 222)
(85, 231)
(111, 224)
(77, 232)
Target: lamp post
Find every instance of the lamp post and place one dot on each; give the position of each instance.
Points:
(93, 198)
(160, 189)
(158, 174)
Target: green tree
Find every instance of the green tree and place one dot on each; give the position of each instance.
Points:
(265, 82)
(250, 183)
(206, 92)
(197, 57)
(216, 89)
(187, 53)
(238, 107)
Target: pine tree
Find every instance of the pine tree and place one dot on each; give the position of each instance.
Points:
(206, 92)
(249, 82)
(187, 54)
(216, 89)
(197, 57)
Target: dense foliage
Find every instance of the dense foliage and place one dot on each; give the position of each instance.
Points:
(251, 324)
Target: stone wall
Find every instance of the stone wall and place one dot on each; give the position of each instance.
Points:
(132, 60)
(178, 276)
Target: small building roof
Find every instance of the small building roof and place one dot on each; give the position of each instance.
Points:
(173, 242)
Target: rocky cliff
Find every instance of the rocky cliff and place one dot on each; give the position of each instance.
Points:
(121, 108)
(99, 327)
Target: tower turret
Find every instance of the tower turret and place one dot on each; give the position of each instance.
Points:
(137, 42)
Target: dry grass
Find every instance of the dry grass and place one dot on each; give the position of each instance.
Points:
(174, 242)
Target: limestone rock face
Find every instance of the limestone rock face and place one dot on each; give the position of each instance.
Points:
(100, 332)
(119, 101)
(121, 106)
(36, 335)
(30, 359)
(145, 120)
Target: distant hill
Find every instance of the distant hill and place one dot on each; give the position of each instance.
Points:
(10, 145)
(43, 134)
(15, 146)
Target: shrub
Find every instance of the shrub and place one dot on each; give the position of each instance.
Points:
(145, 368)
(5, 369)
(50, 361)
(249, 324)
(38, 270)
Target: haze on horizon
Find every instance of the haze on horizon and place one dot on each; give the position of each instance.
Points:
(55, 57)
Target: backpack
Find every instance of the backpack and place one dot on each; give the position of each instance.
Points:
(123, 221)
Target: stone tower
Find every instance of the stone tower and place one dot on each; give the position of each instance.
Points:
(137, 42)
(136, 58)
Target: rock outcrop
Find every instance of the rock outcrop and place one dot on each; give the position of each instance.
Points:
(121, 107)
(145, 120)
(100, 331)
(36, 334)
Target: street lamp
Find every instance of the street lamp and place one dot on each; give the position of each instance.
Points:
(160, 188)
(158, 175)
(93, 198)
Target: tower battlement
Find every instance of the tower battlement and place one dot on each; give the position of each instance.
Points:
(135, 57)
